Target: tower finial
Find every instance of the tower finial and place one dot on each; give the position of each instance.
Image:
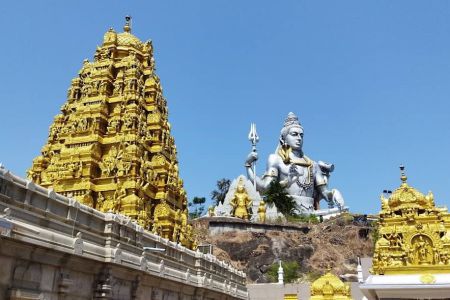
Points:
(403, 175)
(127, 27)
(280, 273)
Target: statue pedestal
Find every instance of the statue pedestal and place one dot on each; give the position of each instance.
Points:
(218, 225)
(330, 212)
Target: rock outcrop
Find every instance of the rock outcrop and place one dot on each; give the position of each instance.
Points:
(335, 243)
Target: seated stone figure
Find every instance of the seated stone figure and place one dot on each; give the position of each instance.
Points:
(304, 179)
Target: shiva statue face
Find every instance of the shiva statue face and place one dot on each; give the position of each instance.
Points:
(294, 138)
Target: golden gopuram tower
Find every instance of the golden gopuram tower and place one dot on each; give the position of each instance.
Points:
(330, 287)
(414, 235)
(111, 148)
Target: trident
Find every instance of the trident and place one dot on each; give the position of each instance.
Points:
(253, 138)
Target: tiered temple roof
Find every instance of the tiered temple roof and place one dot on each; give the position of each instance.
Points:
(111, 147)
(414, 234)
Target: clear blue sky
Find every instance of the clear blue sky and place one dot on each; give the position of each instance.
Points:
(370, 81)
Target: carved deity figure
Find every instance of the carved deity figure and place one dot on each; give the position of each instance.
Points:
(100, 200)
(34, 176)
(262, 211)
(120, 193)
(146, 171)
(118, 87)
(241, 203)
(109, 205)
(156, 229)
(111, 161)
(423, 250)
(113, 125)
(87, 199)
(394, 239)
(177, 225)
(303, 179)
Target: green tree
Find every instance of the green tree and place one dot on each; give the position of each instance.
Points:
(277, 195)
(196, 207)
(290, 269)
(223, 185)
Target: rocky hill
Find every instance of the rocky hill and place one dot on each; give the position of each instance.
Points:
(335, 243)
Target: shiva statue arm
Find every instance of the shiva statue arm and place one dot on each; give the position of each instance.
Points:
(272, 171)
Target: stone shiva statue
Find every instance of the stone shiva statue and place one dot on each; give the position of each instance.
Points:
(304, 179)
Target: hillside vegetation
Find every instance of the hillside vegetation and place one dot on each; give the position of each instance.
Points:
(334, 244)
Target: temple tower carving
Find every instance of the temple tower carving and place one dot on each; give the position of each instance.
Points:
(111, 147)
(414, 234)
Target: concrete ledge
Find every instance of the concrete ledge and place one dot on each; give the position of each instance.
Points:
(219, 225)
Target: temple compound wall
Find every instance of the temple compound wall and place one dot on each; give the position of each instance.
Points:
(53, 247)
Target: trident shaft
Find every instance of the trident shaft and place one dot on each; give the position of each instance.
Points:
(253, 138)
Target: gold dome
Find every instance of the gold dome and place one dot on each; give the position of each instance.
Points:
(129, 40)
(408, 197)
(329, 286)
(124, 39)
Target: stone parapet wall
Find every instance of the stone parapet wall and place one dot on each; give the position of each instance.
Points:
(276, 291)
(217, 225)
(87, 253)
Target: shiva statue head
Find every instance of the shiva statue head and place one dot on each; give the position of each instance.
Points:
(291, 138)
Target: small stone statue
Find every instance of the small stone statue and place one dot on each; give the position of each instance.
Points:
(304, 179)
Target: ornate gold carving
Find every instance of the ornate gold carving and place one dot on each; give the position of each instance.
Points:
(111, 147)
(414, 235)
(87, 199)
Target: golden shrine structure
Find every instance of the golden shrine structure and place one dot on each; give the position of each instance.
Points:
(412, 253)
(111, 148)
(414, 235)
(330, 287)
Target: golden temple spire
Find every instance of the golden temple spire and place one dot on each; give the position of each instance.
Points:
(127, 26)
(111, 147)
(403, 174)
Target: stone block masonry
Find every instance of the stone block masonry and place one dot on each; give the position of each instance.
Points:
(53, 247)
